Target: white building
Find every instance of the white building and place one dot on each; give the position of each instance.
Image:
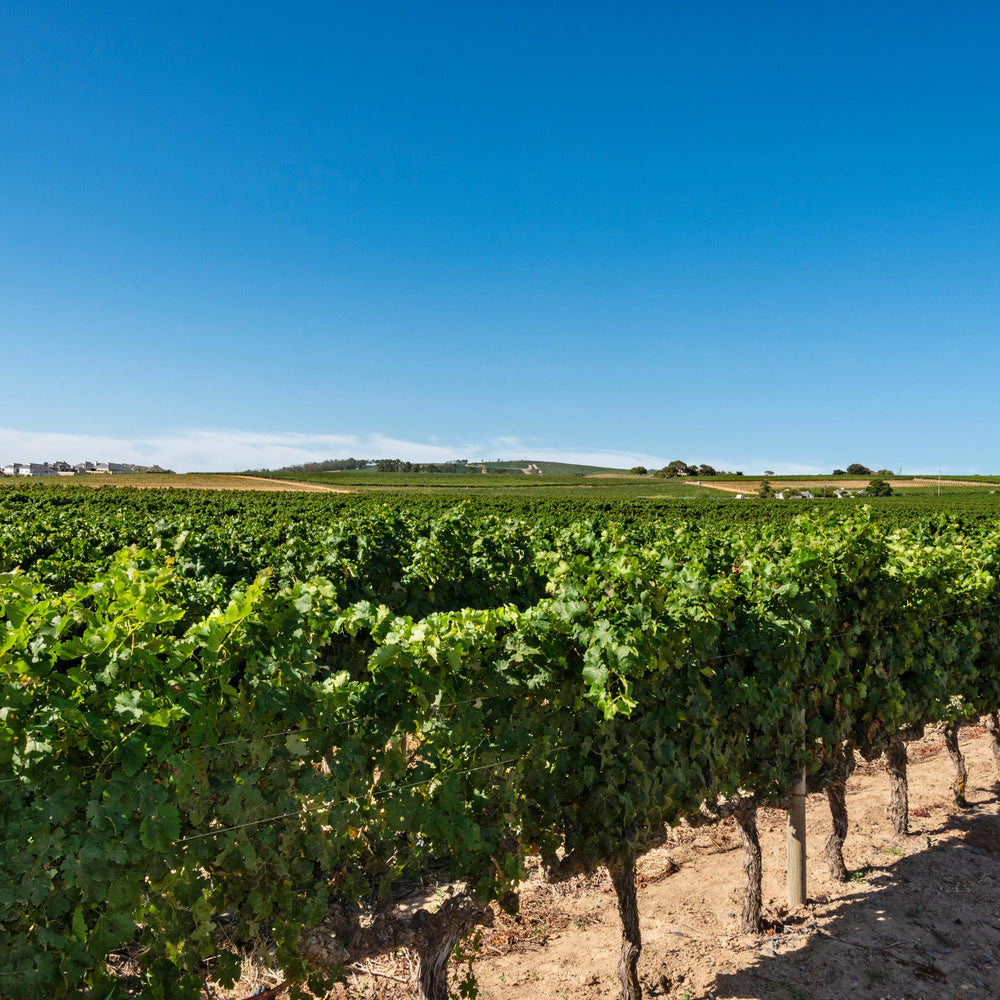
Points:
(29, 469)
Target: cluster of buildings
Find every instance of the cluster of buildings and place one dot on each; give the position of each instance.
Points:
(81, 468)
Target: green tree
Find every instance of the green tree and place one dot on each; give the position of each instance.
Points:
(638, 470)
(857, 469)
(879, 488)
(765, 489)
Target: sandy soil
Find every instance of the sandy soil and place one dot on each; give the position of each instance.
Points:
(920, 917)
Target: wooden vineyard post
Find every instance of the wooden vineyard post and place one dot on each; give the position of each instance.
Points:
(796, 839)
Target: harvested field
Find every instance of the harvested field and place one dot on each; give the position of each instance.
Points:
(188, 481)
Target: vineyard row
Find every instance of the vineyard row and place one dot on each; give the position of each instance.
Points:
(190, 754)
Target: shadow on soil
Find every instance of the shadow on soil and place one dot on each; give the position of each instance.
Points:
(927, 926)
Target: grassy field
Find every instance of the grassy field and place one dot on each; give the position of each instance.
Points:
(994, 480)
(466, 484)
(688, 486)
(980, 492)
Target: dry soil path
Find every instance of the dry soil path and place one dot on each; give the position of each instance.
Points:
(289, 485)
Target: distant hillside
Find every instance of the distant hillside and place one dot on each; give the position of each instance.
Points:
(329, 465)
(522, 466)
(550, 468)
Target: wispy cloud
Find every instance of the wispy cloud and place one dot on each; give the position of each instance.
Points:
(215, 450)
(231, 450)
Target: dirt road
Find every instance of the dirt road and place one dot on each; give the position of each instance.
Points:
(288, 485)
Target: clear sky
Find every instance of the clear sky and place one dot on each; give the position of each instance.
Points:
(750, 234)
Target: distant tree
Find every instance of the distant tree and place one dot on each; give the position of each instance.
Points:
(765, 489)
(884, 472)
(638, 470)
(879, 488)
(679, 468)
(768, 472)
(857, 469)
(706, 470)
(329, 465)
(839, 472)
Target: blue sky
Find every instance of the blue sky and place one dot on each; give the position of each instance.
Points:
(749, 234)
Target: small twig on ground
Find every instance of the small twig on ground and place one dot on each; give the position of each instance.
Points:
(273, 992)
(370, 970)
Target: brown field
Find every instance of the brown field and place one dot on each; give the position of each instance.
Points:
(190, 481)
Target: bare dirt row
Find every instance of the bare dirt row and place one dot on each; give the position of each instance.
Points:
(920, 917)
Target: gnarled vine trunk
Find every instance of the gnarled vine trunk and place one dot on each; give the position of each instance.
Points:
(993, 725)
(751, 919)
(622, 870)
(899, 805)
(961, 774)
(430, 930)
(435, 937)
(836, 795)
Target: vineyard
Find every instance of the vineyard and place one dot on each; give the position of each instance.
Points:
(233, 721)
